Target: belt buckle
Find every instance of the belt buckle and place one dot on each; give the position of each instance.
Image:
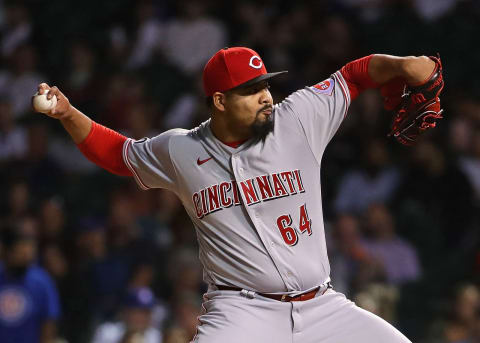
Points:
(286, 297)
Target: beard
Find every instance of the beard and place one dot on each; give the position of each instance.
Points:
(261, 128)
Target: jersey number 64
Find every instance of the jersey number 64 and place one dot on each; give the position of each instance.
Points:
(289, 231)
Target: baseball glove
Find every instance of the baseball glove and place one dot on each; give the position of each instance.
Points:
(419, 107)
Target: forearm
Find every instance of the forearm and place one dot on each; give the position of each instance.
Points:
(414, 70)
(98, 143)
(77, 124)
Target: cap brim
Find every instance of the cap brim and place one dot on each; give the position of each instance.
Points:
(260, 78)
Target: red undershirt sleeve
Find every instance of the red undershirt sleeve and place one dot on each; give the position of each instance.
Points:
(356, 76)
(104, 147)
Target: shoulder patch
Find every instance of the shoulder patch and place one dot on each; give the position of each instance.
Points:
(324, 87)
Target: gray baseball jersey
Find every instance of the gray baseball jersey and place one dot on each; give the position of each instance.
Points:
(257, 208)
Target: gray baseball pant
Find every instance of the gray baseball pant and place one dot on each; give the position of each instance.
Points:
(229, 316)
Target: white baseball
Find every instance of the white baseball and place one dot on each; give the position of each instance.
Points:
(42, 104)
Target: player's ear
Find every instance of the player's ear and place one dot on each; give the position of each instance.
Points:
(219, 100)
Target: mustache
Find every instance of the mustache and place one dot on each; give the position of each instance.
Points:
(266, 107)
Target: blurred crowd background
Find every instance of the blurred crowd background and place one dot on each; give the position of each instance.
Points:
(111, 263)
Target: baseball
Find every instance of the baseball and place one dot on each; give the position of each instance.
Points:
(42, 104)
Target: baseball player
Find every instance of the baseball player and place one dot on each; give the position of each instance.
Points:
(249, 178)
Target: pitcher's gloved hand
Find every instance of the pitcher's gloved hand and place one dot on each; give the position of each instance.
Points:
(419, 107)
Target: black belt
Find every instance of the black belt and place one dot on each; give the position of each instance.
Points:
(282, 297)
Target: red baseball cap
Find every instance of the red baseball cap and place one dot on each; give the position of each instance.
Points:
(233, 67)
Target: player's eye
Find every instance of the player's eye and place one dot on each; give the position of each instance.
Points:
(260, 87)
(256, 88)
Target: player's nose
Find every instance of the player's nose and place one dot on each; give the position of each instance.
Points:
(265, 96)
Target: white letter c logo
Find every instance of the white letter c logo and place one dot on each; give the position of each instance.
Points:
(256, 66)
